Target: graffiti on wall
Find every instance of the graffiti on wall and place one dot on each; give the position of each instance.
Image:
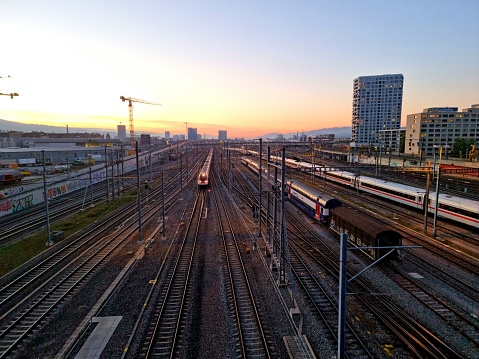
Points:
(18, 204)
(66, 187)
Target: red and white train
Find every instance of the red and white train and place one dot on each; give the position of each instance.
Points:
(204, 176)
(455, 208)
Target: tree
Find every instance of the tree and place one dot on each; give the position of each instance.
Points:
(462, 146)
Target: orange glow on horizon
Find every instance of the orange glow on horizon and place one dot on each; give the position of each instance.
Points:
(235, 127)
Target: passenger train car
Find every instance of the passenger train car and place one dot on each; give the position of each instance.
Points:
(312, 201)
(204, 176)
(454, 208)
(363, 231)
(248, 162)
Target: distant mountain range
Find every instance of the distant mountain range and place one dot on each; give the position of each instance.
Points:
(344, 132)
(22, 127)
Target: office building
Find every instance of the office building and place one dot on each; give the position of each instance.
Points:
(390, 141)
(377, 105)
(192, 134)
(222, 135)
(167, 135)
(121, 129)
(436, 128)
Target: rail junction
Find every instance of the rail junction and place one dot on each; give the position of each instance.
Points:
(234, 269)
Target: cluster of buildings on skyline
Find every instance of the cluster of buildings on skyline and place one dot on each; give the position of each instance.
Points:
(376, 120)
(376, 123)
(192, 134)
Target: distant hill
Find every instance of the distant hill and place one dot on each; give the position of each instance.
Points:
(23, 127)
(17, 126)
(337, 131)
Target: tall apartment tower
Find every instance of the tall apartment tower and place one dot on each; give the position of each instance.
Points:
(377, 105)
(222, 134)
(192, 134)
(121, 129)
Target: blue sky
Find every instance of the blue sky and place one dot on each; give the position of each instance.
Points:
(250, 67)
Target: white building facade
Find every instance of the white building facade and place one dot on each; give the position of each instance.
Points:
(436, 128)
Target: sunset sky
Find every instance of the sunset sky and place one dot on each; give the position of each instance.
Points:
(249, 67)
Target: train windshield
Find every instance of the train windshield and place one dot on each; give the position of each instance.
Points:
(203, 176)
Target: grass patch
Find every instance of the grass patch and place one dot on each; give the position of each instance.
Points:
(15, 254)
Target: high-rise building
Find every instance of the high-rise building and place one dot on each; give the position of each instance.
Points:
(192, 134)
(167, 135)
(222, 135)
(121, 129)
(377, 105)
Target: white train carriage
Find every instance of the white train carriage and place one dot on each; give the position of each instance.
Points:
(204, 176)
(404, 194)
(308, 167)
(455, 208)
(458, 209)
(248, 162)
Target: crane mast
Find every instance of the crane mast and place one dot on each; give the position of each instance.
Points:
(130, 114)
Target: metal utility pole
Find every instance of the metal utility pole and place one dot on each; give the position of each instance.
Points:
(312, 172)
(283, 236)
(181, 174)
(112, 174)
(426, 200)
(45, 197)
(275, 211)
(260, 184)
(106, 175)
(118, 171)
(150, 184)
(140, 240)
(342, 294)
(91, 188)
(437, 201)
(163, 202)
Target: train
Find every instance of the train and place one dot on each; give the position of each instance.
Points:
(204, 176)
(363, 231)
(454, 208)
(10, 176)
(318, 205)
(253, 165)
(373, 237)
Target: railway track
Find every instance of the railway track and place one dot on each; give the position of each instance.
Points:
(251, 340)
(441, 269)
(457, 319)
(45, 286)
(17, 225)
(418, 339)
(163, 340)
(405, 328)
(50, 295)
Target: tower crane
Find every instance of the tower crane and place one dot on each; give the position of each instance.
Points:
(130, 112)
(11, 94)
